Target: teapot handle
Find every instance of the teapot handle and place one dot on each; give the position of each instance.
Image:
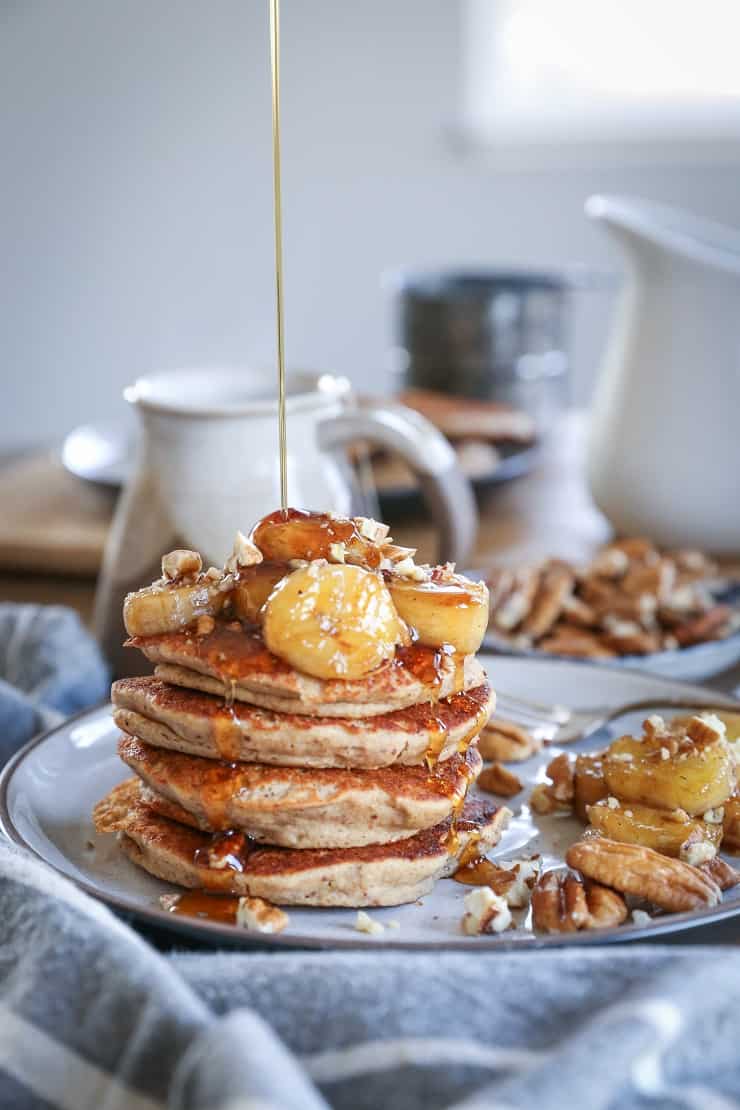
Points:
(446, 490)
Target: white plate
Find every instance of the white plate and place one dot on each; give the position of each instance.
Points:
(48, 790)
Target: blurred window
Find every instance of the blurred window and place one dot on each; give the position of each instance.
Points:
(590, 72)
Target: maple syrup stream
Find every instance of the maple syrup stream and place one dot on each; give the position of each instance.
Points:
(278, 222)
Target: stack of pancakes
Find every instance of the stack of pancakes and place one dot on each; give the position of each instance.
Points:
(252, 778)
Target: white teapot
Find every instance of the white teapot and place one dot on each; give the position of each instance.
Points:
(208, 465)
(664, 446)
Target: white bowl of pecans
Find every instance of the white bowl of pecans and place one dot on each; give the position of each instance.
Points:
(666, 612)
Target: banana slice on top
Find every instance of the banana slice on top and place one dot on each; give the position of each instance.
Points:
(168, 607)
(332, 621)
(453, 611)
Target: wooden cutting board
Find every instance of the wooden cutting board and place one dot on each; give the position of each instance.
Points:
(50, 522)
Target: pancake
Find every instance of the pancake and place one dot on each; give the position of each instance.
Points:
(375, 875)
(200, 724)
(297, 808)
(232, 661)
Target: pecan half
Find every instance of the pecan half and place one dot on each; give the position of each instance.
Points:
(556, 584)
(569, 640)
(723, 874)
(497, 779)
(505, 740)
(632, 869)
(563, 903)
(517, 605)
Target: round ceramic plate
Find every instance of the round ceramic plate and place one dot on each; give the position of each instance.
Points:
(48, 790)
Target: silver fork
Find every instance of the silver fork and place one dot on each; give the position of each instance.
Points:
(560, 724)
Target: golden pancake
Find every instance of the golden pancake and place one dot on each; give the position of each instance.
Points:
(295, 807)
(375, 875)
(200, 724)
(232, 660)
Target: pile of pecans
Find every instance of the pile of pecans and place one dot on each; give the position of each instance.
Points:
(632, 599)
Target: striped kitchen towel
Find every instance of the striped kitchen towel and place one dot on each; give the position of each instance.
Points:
(93, 1018)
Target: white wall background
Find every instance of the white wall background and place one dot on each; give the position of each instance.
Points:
(136, 192)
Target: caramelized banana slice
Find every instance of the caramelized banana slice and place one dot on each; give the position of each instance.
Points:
(672, 771)
(453, 611)
(663, 831)
(332, 621)
(252, 588)
(295, 534)
(168, 607)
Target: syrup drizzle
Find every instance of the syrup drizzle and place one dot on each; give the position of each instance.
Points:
(278, 221)
(476, 870)
(438, 732)
(226, 851)
(226, 732)
(210, 907)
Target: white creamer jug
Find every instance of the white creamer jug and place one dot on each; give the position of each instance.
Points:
(208, 465)
(664, 443)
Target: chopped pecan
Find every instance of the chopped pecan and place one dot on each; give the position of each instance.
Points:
(372, 530)
(181, 564)
(542, 800)
(579, 613)
(694, 564)
(245, 554)
(705, 729)
(632, 869)
(517, 605)
(256, 915)
(560, 771)
(637, 548)
(563, 903)
(597, 593)
(576, 642)
(628, 637)
(204, 625)
(502, 739)
(497, 779)
(657, 578)
(513, 881)
(555, 585)
(485, 912)
(708, 626)
(610, 562)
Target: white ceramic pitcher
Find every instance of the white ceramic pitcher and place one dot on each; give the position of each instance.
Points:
(664, 444)
(208, 465)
